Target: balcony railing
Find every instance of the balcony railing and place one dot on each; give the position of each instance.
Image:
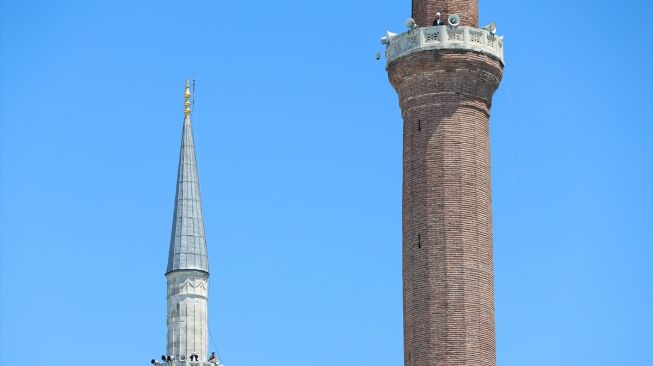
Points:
(190, 363)
(445, 38)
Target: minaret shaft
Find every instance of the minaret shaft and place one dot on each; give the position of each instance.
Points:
(424, 11)
(187, 315)
(445, 93)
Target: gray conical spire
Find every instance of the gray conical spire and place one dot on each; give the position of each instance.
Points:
(187, 244)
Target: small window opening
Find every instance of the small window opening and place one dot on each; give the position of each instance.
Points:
(419, 241)
(419, 125)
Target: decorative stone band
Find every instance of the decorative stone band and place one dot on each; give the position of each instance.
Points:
(445, 38)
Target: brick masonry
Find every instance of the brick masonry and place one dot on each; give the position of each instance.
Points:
(424, 11)
(448, 285)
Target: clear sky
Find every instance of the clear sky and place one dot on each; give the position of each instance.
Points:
(299, 143)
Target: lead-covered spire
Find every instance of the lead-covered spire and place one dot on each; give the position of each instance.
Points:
(187, 242)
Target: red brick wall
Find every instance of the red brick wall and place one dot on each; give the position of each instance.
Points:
(424, 11)
(445, 99)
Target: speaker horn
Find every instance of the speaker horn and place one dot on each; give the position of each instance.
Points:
(388, 36)
(410, 23)
(492, 28)
(454, 20)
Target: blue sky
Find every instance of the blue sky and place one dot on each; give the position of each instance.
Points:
(298, 137)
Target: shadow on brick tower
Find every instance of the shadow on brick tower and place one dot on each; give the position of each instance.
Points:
(445, 76)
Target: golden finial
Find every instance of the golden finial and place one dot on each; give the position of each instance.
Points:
(187, 99)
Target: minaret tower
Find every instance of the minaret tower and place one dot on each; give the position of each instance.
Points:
(188, 265)
(445, 76)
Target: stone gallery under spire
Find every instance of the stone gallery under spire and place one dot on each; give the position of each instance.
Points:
(188, 266)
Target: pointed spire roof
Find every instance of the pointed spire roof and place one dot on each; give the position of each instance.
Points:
(187, 242)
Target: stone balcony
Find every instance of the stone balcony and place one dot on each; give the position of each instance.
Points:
(445, 38)
(190, 363)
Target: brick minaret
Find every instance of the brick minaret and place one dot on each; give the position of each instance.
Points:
(445, 77)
